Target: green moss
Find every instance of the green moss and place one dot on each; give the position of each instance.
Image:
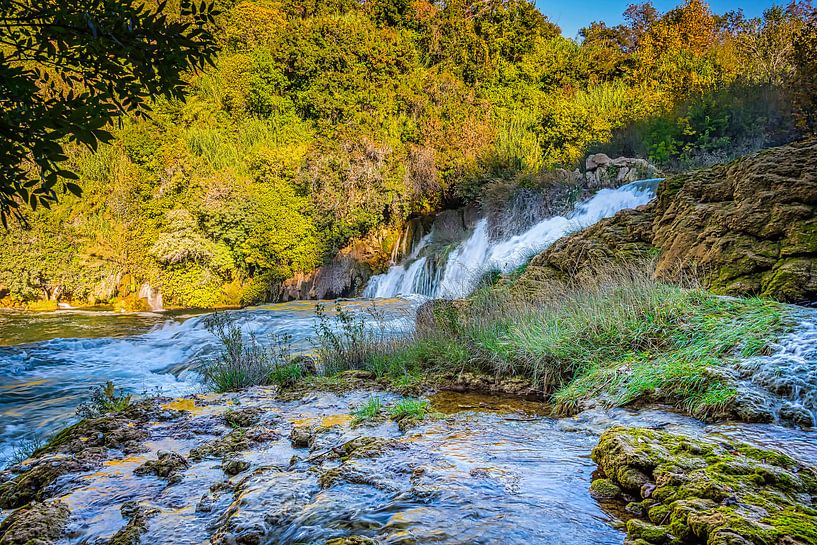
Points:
(710, 489)
(604, 489)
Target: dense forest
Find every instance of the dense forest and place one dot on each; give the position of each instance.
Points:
(325, 121)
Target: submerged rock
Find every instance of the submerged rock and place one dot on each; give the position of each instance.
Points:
(35, 524)
(709, 490)
(237, 440)
(137, 516)
(168, 465)
(234, 466)
(243, 418)
(31, 484)
(352, 540)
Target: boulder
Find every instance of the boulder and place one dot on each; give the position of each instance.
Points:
(35, 524)
(707, 490)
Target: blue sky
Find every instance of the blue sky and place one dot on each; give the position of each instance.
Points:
(572, 15)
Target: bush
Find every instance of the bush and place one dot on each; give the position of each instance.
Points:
(242, 361)
(105, 399)
(344, 341)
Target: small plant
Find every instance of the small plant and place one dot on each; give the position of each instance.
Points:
(415, 409)
(23, 450)
(242, 361)
(368, 411)
(105, 399)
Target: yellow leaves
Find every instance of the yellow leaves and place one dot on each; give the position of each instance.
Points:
(253, 24)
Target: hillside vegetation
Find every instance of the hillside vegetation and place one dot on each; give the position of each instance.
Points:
(323, 122)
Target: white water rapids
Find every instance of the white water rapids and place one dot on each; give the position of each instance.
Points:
(479, 254)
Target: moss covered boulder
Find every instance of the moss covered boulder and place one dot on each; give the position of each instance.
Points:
(708, 490)
(35, 524)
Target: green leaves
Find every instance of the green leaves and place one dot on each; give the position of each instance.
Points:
(68, 69)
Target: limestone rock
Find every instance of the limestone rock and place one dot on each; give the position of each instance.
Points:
(710, 490)
(34, 524)
(747, 227)
(168, 465)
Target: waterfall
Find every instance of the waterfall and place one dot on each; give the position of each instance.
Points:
(479, 254)
(153, 297)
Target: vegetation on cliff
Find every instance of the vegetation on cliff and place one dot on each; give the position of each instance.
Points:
(323, 122)
(748, 227)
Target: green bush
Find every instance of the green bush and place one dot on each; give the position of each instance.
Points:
(242, 361)
(104, 399)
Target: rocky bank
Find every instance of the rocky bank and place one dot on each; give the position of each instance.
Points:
(744, 228)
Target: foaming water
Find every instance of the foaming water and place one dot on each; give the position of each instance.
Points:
(789, 373)
(41, 383)
(479, 253)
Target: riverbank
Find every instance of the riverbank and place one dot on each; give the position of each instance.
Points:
(249, 467)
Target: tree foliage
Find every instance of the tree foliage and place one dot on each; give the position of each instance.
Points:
(324, 122)
(68, 68)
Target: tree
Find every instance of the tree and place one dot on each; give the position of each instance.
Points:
(67, 69)
(805, 77)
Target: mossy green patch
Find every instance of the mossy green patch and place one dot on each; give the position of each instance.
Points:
(711, 490)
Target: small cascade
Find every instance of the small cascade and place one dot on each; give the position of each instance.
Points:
(152, 296)
(480, 253)
(400, 279)
(786, 379)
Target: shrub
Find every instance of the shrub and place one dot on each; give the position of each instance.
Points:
(344, 341)
(105, 399)
(23, 449)
(242, 361)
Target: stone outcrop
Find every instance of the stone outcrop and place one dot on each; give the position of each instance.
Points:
(602, 171)
(35, 524)
(709, 490)
(747, 227)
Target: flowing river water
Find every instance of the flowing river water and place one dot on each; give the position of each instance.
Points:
(486, 470)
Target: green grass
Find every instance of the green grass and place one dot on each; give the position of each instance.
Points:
(623, 337)
(416, 409)
(370, 410)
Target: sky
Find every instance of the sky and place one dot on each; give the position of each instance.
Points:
(571, 15)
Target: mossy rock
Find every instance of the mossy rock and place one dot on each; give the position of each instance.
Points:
(35, 524)
(352, 540)
(711, 490)
(604, 489)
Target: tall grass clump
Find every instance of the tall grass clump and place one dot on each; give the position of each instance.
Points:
(242, 361)
(346, 340)
(619, 336)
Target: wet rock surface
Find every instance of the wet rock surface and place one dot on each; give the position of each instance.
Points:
(498, 467)
(707, 490)
(34, 524)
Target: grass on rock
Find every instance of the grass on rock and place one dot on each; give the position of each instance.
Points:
(409, 408)
(370, 410)
(622, 337)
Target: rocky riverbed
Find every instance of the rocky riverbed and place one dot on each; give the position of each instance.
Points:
(255, 467)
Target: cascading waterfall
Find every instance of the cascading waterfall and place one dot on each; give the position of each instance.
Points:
(400, 279)
(479, 254)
